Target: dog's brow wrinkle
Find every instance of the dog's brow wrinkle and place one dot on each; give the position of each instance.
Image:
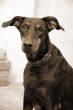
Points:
(38, 25)
(28, 23)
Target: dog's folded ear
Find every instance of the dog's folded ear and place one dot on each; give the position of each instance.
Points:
(52, 23)
(16, 21)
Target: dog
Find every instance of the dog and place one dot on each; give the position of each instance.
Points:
(48, 78)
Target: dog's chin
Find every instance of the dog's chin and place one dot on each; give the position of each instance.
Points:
(31, 56)
(26, 50)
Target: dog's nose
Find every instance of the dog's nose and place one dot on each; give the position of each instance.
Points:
(28, 45)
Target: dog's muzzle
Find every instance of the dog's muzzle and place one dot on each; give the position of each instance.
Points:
(27, 48)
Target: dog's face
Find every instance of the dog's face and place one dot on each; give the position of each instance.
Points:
(33, 31)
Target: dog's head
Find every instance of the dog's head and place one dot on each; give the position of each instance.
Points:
(34, 31)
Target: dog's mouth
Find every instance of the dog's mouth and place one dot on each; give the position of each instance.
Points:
(28, 50)
(29, 53)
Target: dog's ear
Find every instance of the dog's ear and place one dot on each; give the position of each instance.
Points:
(52, 23)
(16, 21)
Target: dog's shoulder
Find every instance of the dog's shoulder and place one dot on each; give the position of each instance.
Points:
(64, 63)
(59, 60)
(56, 50)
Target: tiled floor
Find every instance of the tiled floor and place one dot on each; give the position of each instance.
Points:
(11, 97)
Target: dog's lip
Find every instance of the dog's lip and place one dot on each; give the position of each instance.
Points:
(29, 51)
(26, 50)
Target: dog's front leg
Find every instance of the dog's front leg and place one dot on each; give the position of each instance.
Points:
(27, 104)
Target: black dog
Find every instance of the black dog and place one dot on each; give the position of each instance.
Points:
(48, 78)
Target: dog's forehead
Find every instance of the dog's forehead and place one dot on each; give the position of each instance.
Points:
(34, 21)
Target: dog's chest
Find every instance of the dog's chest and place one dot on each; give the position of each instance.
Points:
(36, 76)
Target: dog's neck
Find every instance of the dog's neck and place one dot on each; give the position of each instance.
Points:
(42, 61)
(42, 56)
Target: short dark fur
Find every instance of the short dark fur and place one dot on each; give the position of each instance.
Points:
(48, 79)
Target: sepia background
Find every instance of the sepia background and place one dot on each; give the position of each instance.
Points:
(10, 40)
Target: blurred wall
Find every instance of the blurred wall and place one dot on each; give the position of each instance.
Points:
(10, 37)
(63, 11)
